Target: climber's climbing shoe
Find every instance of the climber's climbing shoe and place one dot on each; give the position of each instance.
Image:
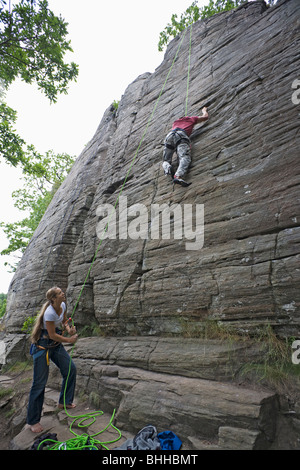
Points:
(178, 180)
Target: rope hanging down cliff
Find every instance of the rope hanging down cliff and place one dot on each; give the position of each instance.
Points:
(134, 159)
(87, 419)
(188, 73)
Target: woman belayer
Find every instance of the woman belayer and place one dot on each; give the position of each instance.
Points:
(47, 338)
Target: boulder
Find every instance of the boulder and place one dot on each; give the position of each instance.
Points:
(12, 348)
(186, 386)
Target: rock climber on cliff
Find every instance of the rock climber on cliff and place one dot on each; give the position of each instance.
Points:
(179, 140)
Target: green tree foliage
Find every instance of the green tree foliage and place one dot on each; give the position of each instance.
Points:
(13, 148)
(192, 14)
(11, 145)
(32, 46)
(3, 298)
(33, 43)
(34, 199)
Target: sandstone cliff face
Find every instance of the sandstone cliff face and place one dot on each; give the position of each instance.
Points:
(154, 291)
(245, 171)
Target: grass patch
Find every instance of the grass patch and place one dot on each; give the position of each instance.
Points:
(90, 330)
(18, 367)
(209, 329)
(276, 369)
(5, 391)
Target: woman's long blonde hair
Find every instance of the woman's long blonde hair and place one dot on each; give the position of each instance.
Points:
(38, 325)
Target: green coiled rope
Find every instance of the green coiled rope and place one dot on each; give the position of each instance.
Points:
(83, 441)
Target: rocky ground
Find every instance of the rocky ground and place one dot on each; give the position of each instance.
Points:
(15, 434)
(208, 406)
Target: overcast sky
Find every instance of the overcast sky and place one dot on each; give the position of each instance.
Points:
(113, 43)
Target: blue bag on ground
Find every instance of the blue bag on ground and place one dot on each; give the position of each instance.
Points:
(169, 441)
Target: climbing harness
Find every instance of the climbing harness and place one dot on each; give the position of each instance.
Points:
(38, 349)
(85, 441)
(181, 137)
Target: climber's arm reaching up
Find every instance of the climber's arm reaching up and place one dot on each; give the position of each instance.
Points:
(204, 116)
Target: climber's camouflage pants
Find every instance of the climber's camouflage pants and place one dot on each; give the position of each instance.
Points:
(180, 142)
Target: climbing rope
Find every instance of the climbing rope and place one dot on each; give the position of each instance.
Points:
(86, 441)
(188, 74)
(82, 441)
(128, 173)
